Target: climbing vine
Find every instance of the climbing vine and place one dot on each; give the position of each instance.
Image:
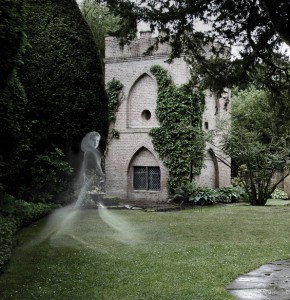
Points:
(114, 88)
(180, 139)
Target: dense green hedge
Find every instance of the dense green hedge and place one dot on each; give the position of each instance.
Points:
(13, 133)
(7, 231)
(63, 80)
(13, 103)
(62, 75)
(11, 38)
(15, 214)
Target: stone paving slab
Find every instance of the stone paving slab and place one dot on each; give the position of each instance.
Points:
(269, 282)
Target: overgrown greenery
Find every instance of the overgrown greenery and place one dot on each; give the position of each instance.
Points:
(23, 213)
(258, 142)
(184, 255)
(12, 39)
(63, 79)
(179, 140)
(14, 215)
(7, 234)
(114, 87)
(258, 28)
(279, 194)
(198, 195)
(13, 101)
(101, 22)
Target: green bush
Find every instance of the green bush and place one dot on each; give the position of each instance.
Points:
(230, 194)
(23, 213)
(193, 193)
(13, 102)
(64, 83)
(11, 38)
(15, 214)
(51, 176)
(279, 194)
(7, 231)
(62, 74)
(203, 196)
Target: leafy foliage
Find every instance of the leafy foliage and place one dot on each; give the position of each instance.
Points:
(12, 39)
(13, 102)
(21, 212)
(255, 28)
(70, 100)
(179, 140)
(14, 129)
(191, 192)
(258, 143)
(15, 214)
(113, 88)
(64, 84)
(7, 231)
(51, 171)
(231, 194)
(278, 13)
(279, 194)
(101, 22)
(203, 196)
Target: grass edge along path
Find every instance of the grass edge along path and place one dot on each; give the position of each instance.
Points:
(129, 254)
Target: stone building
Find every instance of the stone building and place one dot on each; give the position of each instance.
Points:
(133, 168)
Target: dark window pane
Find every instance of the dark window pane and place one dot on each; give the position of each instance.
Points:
(140, 178)
(154, 178)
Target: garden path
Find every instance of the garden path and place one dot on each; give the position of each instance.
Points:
(270, 281)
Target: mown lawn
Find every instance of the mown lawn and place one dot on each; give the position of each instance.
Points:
(130, 254)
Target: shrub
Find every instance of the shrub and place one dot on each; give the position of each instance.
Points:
(279, 194)
(16, 214)
(203, 196)
(7, 231)
(21, 212)
(191, 192)
(51, 176)
(13, 102)
(230, 194)
(11, 38)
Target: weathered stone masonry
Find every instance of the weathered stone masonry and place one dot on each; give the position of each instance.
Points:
(133, 151)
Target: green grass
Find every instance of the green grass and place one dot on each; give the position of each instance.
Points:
(189, 254)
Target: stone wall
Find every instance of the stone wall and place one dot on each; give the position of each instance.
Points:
(136, 116)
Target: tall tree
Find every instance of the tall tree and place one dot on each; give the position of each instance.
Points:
(258, 142)
(101, 22)
(258, 28)
(279, 13)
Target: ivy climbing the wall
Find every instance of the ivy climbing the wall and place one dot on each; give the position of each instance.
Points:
(179, 140)
(114, 88)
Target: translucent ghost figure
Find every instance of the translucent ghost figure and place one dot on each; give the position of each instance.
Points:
(91, 175)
